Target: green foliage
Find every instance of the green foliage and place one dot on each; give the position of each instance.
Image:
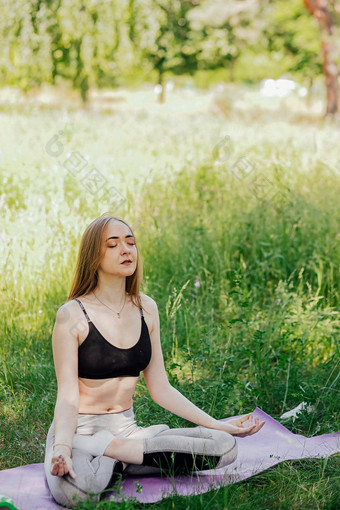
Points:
(109, 44)
(291, 31)
(162, 37)
(48, 41)
(227, 30)
(260, 329)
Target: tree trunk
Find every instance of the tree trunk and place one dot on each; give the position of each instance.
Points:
(320, 11)
(161, 95)
(80, 79)
(331, 77)
(231, 69)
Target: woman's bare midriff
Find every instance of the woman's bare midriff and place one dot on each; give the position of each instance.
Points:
(101, 396)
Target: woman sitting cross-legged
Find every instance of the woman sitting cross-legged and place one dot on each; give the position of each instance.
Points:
(104, 336)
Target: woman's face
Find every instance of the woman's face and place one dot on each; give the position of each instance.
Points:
(118, 245)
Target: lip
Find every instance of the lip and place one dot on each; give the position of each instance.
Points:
(126, 262)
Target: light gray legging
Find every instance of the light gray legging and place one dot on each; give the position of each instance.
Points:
(175, 451)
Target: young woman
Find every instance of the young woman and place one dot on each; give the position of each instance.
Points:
(104, 336)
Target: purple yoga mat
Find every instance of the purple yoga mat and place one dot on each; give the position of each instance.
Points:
(274, 443)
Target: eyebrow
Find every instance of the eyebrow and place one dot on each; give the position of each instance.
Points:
(116, 237)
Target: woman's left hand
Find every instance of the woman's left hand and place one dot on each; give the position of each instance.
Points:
(235, 426)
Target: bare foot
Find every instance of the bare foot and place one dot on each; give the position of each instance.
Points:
(128, 451)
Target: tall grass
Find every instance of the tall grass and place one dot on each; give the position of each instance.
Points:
(246, 281)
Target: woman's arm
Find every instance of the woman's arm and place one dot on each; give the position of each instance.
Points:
(171, 399)
(65, 355)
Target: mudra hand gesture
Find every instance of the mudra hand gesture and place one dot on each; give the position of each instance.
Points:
(235, 427)
(61, 463)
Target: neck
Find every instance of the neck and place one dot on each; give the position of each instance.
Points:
(111, 291)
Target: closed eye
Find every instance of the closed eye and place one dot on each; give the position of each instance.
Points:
(131, 244)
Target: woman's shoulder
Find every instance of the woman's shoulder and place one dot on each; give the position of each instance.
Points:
(149, 305)
(69, 318)
(147, 300)
(71, 303)
(70, 307)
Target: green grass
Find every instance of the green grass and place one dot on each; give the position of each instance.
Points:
(263, 327)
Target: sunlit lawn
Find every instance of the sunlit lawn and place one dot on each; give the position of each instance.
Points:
(246, 206)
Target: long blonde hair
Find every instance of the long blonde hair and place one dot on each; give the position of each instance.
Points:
(85, 276)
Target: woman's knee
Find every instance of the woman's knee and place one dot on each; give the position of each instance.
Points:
(92, 477)
(227, 448)
(223, 443)
(67, 493)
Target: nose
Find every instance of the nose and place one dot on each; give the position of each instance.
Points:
(125, 247)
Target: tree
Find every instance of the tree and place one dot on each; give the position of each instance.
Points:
(24, 58)
(43, 40)
(321, 10)
(227, 29)
(85, 40)
(292, 35)
(161, 34)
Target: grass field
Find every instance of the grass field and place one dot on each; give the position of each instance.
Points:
(237, 216)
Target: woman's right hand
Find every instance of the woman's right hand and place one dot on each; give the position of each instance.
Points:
(61, 463)
(235, 426)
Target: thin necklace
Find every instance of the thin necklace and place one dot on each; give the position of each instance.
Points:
(117, 313)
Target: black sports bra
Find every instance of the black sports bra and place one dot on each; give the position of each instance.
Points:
(99, 359)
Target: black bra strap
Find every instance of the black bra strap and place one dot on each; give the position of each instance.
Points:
(141, 309)
(82, 307)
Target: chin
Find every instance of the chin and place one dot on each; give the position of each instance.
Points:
(129, 269)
